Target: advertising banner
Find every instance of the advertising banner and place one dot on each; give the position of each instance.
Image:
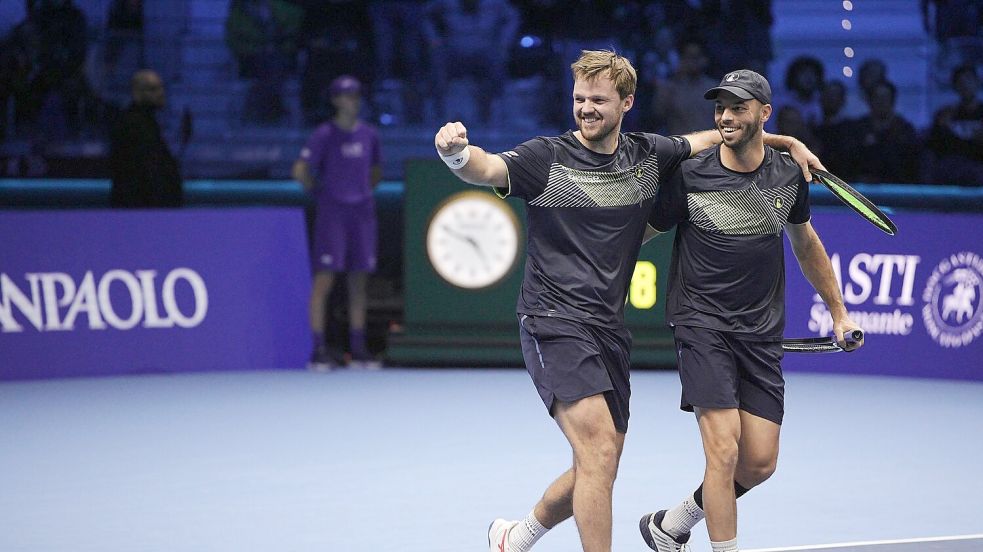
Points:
(917, 295)
(106, 292)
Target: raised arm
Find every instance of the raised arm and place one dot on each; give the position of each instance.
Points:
(469, 163)
(815, 265)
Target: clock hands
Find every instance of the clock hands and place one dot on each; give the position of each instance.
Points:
(469, 240)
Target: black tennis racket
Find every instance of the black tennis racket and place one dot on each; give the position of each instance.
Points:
(855, 200)
(820, 344)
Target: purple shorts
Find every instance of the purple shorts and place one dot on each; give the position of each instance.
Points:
(345, 237)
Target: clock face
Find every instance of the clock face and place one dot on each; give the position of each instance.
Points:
(473, 239)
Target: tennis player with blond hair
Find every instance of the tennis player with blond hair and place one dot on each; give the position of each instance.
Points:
(589, 193)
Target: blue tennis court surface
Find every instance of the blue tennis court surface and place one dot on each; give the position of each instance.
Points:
(961, 543)
(422, 461)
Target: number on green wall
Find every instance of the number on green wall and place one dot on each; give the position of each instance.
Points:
(641, 293)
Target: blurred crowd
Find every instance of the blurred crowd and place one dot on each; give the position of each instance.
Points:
(44, 90)
(418, 47)
(411, 54)
(874, 142)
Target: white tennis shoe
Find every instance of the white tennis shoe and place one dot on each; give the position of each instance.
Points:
(498, 535)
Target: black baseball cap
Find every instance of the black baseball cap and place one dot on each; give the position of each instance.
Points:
(743, 83)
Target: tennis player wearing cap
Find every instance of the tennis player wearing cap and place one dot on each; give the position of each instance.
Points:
(340, 166)
(589, 193)
(726, 304)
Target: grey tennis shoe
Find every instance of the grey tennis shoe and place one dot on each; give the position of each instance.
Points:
(651, 527)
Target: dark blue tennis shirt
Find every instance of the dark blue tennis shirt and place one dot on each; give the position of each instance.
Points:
(586, 215)
(728, 260)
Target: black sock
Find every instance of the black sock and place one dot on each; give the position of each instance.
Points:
(739, 491)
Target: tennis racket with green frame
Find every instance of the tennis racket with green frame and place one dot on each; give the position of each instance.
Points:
(855, 200)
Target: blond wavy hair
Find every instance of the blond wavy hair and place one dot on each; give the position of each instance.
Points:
(595, 64)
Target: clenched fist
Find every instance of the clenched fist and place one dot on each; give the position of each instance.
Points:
(451, 138)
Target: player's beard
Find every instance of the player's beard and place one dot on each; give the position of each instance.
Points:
(599, 131)
(748, 133)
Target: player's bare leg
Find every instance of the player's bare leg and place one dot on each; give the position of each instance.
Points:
(756, 461)
(556, 505)
(720, 429)
(758, 450)
(597, 447)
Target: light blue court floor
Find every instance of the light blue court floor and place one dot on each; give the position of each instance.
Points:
(422, 460)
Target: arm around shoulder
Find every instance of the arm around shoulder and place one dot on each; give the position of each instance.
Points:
(801, 154)
(702, 140)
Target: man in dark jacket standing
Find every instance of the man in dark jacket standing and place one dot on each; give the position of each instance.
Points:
(145, 174)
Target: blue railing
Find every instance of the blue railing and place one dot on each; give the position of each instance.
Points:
(68, 193)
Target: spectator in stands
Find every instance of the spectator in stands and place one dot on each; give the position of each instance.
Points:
(880, 132)
(832, 100)
(579, 25)
(871, 72)
(144, 172)
(737, 33)
(397, 29)
(470, 38)
(803, 81)
(60, 94)
(337, 37)
(264, 37)
(955, 141)
(957, 26)
(18, 62)
(63, 37)
(792, 123)
(834, 126)
(659, 61)
(340, 165)
(124, 31)
(952, 18)
(679, 102)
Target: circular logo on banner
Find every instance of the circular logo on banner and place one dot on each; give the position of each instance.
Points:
(953, 309)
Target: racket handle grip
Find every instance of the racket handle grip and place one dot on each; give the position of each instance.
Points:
(854, 337)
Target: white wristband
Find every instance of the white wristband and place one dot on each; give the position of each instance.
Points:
(458, 160)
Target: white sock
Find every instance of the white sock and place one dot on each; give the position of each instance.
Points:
(525, 534)
(725, 546)
(682, 518)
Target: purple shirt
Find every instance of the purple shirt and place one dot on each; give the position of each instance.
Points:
(342, 162)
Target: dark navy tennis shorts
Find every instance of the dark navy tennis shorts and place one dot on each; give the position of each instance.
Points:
(569, 361)
(721, 370)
